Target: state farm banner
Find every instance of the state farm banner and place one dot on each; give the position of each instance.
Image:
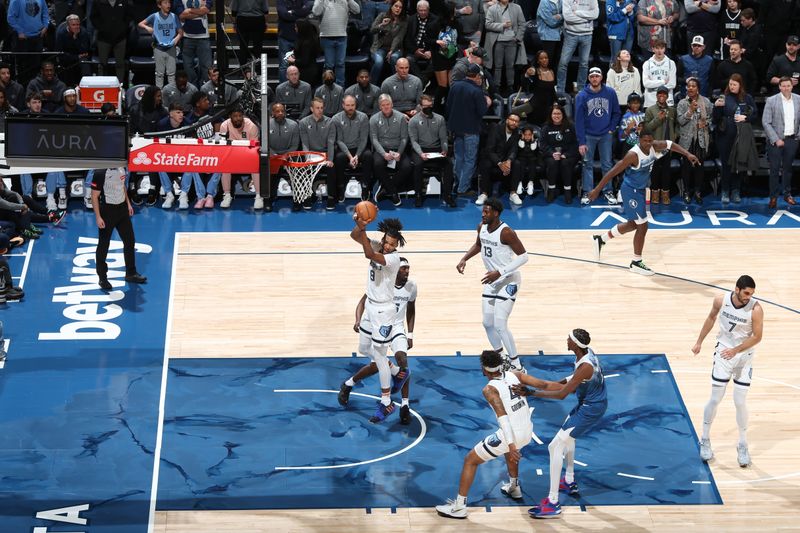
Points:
(193, 155)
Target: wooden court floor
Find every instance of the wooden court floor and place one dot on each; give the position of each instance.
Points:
(294, 294)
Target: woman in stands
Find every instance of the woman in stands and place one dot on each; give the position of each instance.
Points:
(540, 82)
(624, 78)
(388, 31)
(445, 57)
(559, 146)
(694, 124)
(731, 109)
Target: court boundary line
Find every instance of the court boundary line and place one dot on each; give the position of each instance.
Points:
(535, 254)
(163, 394)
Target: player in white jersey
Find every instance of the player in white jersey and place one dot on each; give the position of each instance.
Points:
(636, 165)
(503, 255)
(379, 309)
(402, 339)
(516, 429)
(741, 323)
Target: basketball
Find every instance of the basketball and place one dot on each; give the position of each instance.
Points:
(366, 210)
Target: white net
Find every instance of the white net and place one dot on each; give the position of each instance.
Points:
(301, 177)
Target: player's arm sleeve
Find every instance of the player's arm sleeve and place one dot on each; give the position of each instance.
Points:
(515, 264)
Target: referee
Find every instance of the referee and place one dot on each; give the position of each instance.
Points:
(113, 209)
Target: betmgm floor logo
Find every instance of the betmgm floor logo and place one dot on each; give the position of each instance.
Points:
(89, 310)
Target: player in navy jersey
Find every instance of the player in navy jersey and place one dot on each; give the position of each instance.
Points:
(588, 384)
(636, 164)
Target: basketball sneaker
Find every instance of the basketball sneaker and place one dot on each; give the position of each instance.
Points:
(381, 412)
(55, 217)
(183, 201)
(743, 455)
(706, 453)
(512, 491)
(344, 394)
(481, 199)
(569, 488)
(400, 379)
(545, 509)
(597, 246)
(169, 199)
(405, 415)
(638, 267)
(258, 202)
(226, 200)
(610, 197)
(451, 510)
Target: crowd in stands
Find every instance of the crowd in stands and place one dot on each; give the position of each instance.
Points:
(518, 95)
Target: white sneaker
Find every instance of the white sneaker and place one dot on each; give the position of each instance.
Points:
(226, 200)
(183, 201)
(169, 199)
(51, 203)
(450, 510)
(515, 199)
(585, 200)
(512, 491)
(41, 188)
(481, 199)
(87, 201)
(706, 453)
(529, 190)
(638, 267)
(62, 198)
(743, 455)
(258, 203)
(610, 198)
(519, 188)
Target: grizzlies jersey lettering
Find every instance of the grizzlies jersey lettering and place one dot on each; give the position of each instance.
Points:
(516, 406)
(403, 295)
(636, 177)
(735, 324)
(495, 254)
(380, 284)
(592, 390)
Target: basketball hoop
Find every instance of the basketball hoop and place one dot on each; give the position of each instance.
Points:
(302, 168)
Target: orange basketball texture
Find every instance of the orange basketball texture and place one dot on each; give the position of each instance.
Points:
(366, 210)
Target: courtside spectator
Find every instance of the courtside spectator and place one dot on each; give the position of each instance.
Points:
(579, 17)
(196, 45)
(28, 21)
(15, 93)
(365, 93)
(49, 86)
(289, 12)
(74, 43)
(179, 91)
(165, 27)
(333, 15)
(111, 19)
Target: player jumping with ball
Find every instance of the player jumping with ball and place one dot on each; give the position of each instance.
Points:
(378, 321)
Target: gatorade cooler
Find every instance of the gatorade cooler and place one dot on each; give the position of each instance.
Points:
(94, 91)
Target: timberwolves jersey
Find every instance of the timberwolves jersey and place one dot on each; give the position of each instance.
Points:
(403, 295)
(380, 285)
(637, 176)
(516, 406)
(592, 390)
(735, 323)
(495, 254)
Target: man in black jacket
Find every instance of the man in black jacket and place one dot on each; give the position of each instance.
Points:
(112, 21)
(420, 42)
(499, 158)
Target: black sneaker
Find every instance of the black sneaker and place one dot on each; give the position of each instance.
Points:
(597, 246)
(405, 415)
(344, 394)
(136, 198)
(56, 217)
(308, 204)
(296, 207)
(152, 197)
(340, 196)
(104, 284)
(365, 192)
(330, 205)
(551, 194)
(268, 205)
(567, 196)
(14, 293)
(396, 200)
(379, 194)
(450, 201)
(418, 200)
(136, 278)
(698, 198)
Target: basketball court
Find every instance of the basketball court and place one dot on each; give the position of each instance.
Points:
(206, 399)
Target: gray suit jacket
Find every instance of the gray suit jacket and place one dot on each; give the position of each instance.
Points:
(772, 119)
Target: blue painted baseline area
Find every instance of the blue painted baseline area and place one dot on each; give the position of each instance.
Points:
(80, 388)
(269, 434)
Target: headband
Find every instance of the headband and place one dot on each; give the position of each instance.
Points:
(404, 263)
(576, 341)
(497, 368)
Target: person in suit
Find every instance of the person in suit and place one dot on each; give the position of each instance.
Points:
(499, 160)
(420, 42)
(781, 122)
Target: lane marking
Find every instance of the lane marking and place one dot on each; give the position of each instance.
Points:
(579, 463)
(163, 394)
(421, 436)
(701, 483)
(611, 375)
(25, 265)
(659, 371)
(645, 478)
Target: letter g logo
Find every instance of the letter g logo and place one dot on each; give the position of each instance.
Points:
(99, 96)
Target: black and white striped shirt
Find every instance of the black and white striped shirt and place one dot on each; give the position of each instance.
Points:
(112, 185)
